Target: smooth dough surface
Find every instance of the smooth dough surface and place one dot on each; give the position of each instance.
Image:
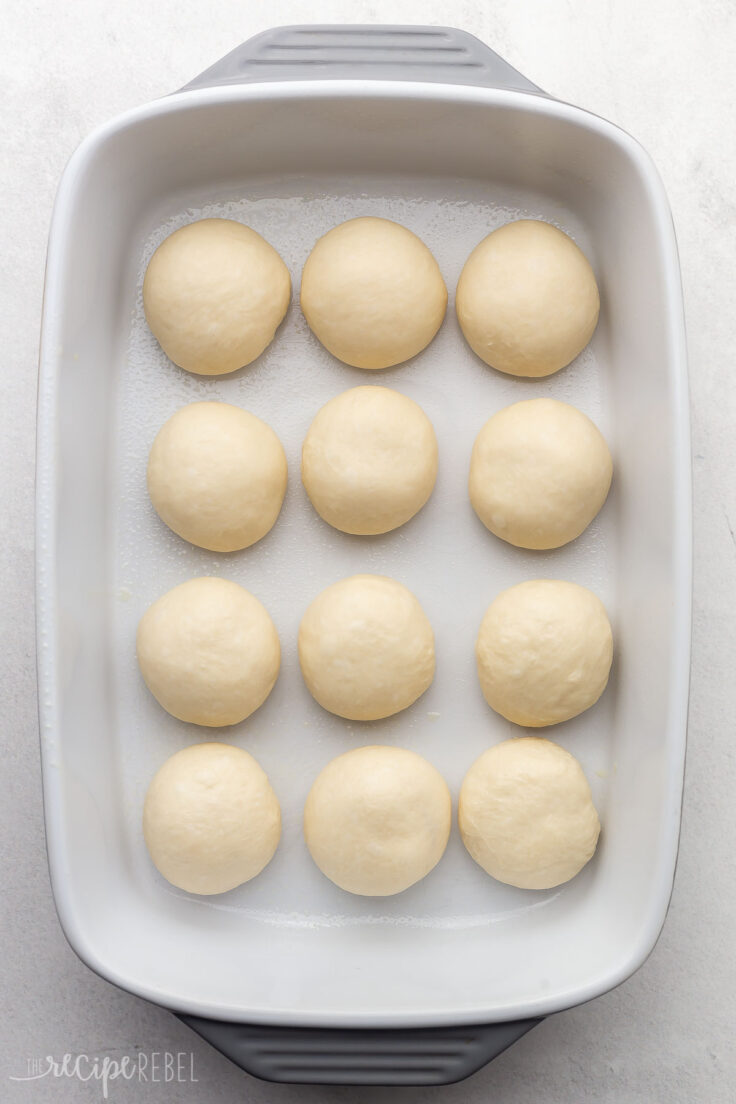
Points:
(211, 820)
(540, 471)
(217, 476)
(544, 652)
(373, 293)
(369, 460)
(527, 300)
(208, 652)
(377, 820)
(526, 814)
(214, 294)
(366, 648)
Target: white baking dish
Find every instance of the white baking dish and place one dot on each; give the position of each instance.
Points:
(256, 139)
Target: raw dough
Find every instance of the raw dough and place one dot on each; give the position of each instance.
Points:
(544, 652)
(214, 293)
(217, 476)
(369, 460)
(211, 820)
(377, 820)
(526, 814)
(372, 293)
(208, 652)
(527, 300)
(366, 648)
(539, 473)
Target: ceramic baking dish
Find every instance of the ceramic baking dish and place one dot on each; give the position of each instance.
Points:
(293, 132)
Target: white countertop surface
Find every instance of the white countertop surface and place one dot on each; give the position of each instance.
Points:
(663, 70)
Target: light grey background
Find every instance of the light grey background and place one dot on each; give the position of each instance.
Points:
(662, 69)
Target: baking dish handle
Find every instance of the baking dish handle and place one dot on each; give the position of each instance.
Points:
(442, 55)
(356, 1056)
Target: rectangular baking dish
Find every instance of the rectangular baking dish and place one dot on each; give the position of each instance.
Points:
(293, 132)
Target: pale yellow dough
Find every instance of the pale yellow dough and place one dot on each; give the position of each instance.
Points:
(377, 820)
(366, 648)
(539, 473)
(208, 652)
(217, 476)
(211, 820)
(373, 293)
(369, 460)
(214, 294)
(544, 652)
(527, 300)
(526, 814)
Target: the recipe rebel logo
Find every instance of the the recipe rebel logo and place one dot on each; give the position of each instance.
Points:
(141, 1067)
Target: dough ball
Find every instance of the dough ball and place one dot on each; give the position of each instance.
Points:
(372, 293)
(369, 461)
(208, 652)
(211, 820)
(214, 293)
(526, 814)
(539, 473)
(366, 648)
(527, 300)
(377, 820)
(544, 652)
(217, 476)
